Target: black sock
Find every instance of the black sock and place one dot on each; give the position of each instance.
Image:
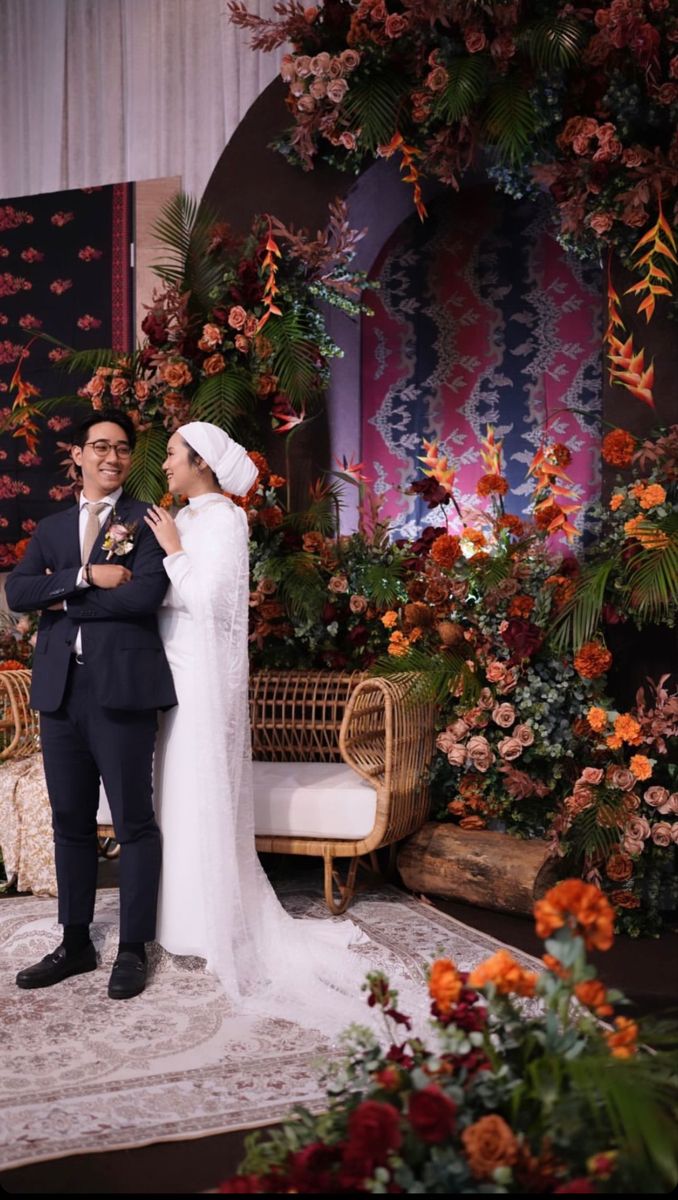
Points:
(137, 948)
(76, 938)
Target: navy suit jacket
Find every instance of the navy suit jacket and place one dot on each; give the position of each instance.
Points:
(120, 639)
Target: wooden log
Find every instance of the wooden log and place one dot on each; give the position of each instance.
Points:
(479, 866)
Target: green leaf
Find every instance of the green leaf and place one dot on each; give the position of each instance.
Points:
(372, 104)
(467, 82)
(381, 582)
(147, 480)
(432, 678)
(186, 227)
(294, 359)
(223, 399)
(554, 42)
(510, 118)
(653, 579)
(578, 620)
(90, 360)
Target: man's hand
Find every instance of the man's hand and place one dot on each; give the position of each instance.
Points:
(54, 607)
(105, 575)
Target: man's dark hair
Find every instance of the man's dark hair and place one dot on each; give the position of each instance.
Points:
(107, 414)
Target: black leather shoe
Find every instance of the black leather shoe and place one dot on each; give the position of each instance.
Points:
(128, 977)
(57, 966)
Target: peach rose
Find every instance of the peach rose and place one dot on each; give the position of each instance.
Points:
(495, 672)
(142, 390)
(214, 364)
(638, 829)
(336, 90)
(357, 604)
(319, 64)
(436, 79)
(524, 735)
(303, 65)
(176, 374)
(211, 337)
(459, 729)
(395, 25)
(338, 584)
(287, 68)
(657, 797)
(592, 775)
(349, 59)
(661, 833)
(318, 89)
(475, 40)
(622, 778)
(119, 385)
(510, 748)
(237, 317)
(504, 715)
(456, 755)
(241, 343)
(486, 699)
(480, 753)
(445, 741)
(306, 103)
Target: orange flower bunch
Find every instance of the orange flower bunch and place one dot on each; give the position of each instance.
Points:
(651, 496)
(389, 619)
(398, 644)
(508, 977)
(408, 164)
(475, 537)
(489, 1143)
(623, 1043)
(446, 550)
(627, 366)
(550, 513)
(649, 536)
(12, 664)
(564, 587)
(512, 523)
(593, 994)
(662, 245)
(444, 985)
(640, 766)
(597, 718)
(627, 729)
(618, 448)
(582, 907)
(592, 659)
(521, 606)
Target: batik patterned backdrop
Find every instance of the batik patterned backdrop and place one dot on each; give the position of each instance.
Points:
(481, 318)
(65, 272)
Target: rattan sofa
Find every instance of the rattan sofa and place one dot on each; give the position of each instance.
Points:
(309, 717)
(367, 723)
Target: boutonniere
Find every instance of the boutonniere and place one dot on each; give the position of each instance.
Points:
(119, 538)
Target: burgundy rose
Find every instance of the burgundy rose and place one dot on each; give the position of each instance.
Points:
(433, 1116)
(373, 1131)
(154, 328)
(309, 1169)
(523, 638)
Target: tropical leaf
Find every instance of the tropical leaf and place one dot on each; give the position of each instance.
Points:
(322, 515)
(185, 228)
(467, 81)
(54, 403)
(295, 357)
(653, 578)
(372, 104)
(147, 480)
(510, 118)
(579, 619)
(434, 677)
(300, 586)
(223, 399)
(554, 42)
(382, 581)
(587, 837)
(89, 361)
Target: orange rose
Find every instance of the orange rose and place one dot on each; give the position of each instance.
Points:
(582, 907)
(619, 867)
(444, 985)
(505, 973)
(214, 364)
(176, 374)
(237, 317)
(398, 644)
(489, 1143)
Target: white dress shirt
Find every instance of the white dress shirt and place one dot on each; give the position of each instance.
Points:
(110, 502)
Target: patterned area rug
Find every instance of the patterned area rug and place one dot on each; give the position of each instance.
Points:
(80, 1073)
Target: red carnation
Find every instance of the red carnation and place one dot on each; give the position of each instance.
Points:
(433, 1115)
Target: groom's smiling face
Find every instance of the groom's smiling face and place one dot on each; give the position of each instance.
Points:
(104, 459)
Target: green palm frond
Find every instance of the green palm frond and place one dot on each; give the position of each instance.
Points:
(381, 582)
(510, 118)
(554, 42)
(494, 570)
(300, 586)
(653, 579)
(295, 356)
(434, 677)
(579, 619)
(185, 228)
(372, 104)
(321, 515)
(146, 479)
(54, 403)
(467, 81)
(90, 360)
(587, 837)
(224, 398)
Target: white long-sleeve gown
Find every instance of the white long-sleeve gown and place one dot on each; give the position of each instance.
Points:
(215, 899)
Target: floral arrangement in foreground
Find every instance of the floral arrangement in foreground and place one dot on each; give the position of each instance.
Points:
(524, 1089)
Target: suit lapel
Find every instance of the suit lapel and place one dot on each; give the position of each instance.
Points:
(120, 512)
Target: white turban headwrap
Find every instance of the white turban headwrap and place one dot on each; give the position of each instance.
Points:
(228, 459)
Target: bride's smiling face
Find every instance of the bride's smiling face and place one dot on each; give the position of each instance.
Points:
(183, 476)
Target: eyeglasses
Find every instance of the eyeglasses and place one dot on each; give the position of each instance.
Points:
(102, 448)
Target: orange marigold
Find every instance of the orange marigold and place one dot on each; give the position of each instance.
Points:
(616, 501)
(446, 550)
(389, 619)
(592, 660)
(613, 742)
(444, 984)
(652, 495)
(582, 907)
(489, 1143)
(640, 766)
(555, 967)
(505, 973)
(399, 644)
(521, 606)
(618, 448)
(623, 1043)
(593, 994)
(512, 523)
(597, 718)
(627, 728)
(491, 484)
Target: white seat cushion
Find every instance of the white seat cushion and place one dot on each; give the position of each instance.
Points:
(318, 800)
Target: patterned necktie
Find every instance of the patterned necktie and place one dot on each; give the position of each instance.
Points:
(92, 527)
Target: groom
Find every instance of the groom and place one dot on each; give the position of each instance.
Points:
(95, 573)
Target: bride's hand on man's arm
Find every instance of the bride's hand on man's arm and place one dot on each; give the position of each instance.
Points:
(164, 528)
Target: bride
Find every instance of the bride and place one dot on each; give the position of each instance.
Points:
(215, 899)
